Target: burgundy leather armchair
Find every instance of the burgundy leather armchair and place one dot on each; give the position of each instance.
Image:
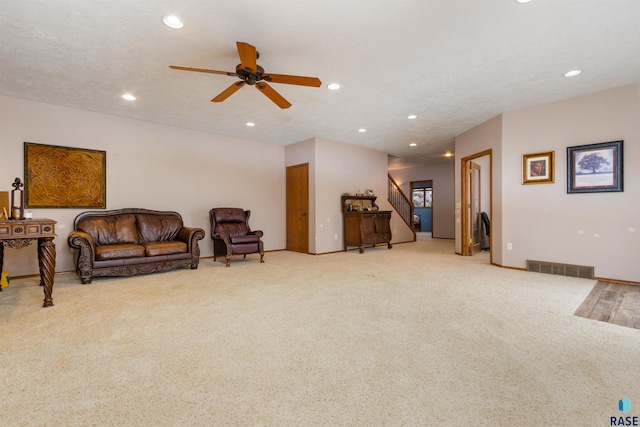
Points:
(232, 235)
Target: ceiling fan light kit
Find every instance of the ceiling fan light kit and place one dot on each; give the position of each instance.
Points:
(249, 72)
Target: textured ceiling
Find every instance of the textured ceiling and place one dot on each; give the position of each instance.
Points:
(453, 63)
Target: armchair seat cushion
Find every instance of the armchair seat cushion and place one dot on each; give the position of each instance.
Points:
(165, 248)
(247, 238)
(127, 250)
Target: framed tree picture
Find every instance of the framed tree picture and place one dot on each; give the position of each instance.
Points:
(595, 168)
(538, 168)
(64, 177)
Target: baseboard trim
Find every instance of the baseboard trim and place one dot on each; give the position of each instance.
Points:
(601, 279)
(509, 268)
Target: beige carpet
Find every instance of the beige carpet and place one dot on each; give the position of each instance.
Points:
(413, 336)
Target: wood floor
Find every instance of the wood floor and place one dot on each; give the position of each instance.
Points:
(613, 303)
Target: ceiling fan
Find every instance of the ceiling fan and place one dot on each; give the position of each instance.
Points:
(251, 73)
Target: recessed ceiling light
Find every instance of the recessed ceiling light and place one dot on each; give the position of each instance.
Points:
(522, 1)
(250, 124)
(334, 86)
(361, 130)
(572, 73)
(129, 97)
(413, 144)
(173, 22)
(412, 116)
(448, 154)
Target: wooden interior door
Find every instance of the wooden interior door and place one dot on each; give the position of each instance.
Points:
(469, 207)
(298, 208)
(474, 207)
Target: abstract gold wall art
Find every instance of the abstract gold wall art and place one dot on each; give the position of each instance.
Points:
(64, 177)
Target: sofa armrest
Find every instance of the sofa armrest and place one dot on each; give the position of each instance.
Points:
(190, 235)
(86, 254)
(84, 243)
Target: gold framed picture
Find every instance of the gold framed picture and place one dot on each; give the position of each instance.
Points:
(64, 177)
(538, 168)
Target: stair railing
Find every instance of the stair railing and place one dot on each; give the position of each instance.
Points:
(401, 203)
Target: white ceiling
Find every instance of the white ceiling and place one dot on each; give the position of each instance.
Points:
(453, 63)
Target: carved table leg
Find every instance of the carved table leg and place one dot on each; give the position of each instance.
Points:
(47, 261)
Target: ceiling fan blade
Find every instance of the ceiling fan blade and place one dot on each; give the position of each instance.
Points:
(248, 56)
(273, 95)
(292, 80)
(228, 92)
(202, 70)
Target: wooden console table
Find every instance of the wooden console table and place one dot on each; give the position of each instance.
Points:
(19, 233)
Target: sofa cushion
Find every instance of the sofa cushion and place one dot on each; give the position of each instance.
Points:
(157, 228)
(107, 252)
(164, 248)
(110, 230)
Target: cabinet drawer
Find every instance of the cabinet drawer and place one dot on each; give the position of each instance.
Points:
(26, 229)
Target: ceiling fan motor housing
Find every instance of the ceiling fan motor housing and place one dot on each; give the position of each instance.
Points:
(249, 77)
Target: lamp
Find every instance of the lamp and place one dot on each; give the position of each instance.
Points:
(17, 200)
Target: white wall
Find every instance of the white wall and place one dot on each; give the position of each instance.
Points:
(487, 136)
(543, 222)
(345, 168)
(336, 168)
(443, 193)
(149, 166)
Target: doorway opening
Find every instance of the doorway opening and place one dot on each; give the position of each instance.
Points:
(422, 198)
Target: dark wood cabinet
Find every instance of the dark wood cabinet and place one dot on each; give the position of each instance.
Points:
(363, 224)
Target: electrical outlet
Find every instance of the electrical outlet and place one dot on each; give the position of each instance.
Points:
(509, 246)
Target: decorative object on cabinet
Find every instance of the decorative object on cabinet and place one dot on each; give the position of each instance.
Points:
(17, 200)
(232, 235)
(363, 223)
(595, 168)
(538, 168)
(64, 177)
(5, 205)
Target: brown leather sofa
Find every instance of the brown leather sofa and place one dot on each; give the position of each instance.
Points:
(131, 241)
(232, 235)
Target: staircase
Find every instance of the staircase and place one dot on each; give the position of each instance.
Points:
(401, 203)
